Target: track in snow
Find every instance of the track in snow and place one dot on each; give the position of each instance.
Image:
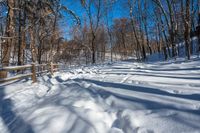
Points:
(123, 97)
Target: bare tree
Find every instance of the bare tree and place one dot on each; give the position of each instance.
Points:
(94, 20)
(131, 4)
(170, 22)
(108, 17)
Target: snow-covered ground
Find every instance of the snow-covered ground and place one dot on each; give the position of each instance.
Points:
(123, 97)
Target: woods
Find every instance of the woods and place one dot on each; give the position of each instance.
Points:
(98, 30)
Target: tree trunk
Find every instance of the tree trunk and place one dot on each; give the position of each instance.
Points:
(141, 32)
(134, 31)
(198, 30)
(32, 44)
(147, 38)
(124, 45)
(93, 49)
(21, 41)
(172, 29)
(187, 29)
(145, 21)
(10, 32)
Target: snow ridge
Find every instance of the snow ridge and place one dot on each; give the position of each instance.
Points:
(123, 97)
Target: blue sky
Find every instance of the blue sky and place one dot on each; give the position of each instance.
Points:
(119, 10)
(75, 5)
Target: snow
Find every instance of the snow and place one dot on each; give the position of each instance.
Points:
(120, 97)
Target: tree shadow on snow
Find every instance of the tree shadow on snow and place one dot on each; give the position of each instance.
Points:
(14, 123)
(147, 103)
(173, 69)
(155, 75)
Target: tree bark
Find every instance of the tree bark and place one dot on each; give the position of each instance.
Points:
(172, 29)
(187, 29)
(198, 28)
(32, 44)
(21, 41)
(10, 32)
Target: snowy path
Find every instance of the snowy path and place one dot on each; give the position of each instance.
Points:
(123, 97)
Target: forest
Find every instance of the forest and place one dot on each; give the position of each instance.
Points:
(93, 31)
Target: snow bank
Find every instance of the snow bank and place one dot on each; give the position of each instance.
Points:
(123, 97)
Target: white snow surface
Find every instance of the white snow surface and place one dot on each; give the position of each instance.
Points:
(121, 97)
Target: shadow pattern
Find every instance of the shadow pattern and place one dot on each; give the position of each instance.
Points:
(13, 122)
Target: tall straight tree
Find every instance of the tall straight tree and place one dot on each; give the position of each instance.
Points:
(94, 20)
(140, 19)
(198, 29)
(108, 17)
(133, 25)
(186, 19)
(145, 22)
(10, 33)
(21, 31)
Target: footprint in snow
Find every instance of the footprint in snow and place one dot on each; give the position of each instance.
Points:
(194, 85)
(115, 130)
(197, 107)
(124, 123)
(86, 85)
(143, 130)
(176, 92)
(136, 82)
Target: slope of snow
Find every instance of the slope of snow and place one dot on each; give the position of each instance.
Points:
(124, 97)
